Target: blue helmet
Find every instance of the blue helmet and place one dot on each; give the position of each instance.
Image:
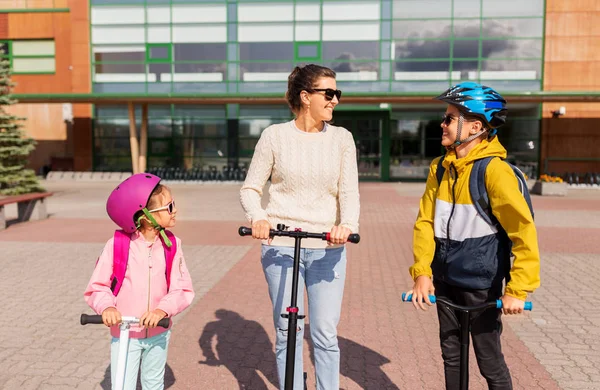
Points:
(477, 100)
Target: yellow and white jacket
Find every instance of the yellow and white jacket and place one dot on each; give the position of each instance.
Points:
(452, 243)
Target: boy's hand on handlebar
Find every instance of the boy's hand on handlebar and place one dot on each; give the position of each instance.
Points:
(261, 230)
(512, 305)
(421, 290)
(111, 316)
(150, 318)
(338, 235)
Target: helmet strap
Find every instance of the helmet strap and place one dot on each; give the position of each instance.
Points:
(155, 225)
(458, 141)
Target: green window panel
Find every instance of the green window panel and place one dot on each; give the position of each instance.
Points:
(159, 53)
(307, 51)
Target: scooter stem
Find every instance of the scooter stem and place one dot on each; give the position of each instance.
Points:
(292, 320)
(122, 359)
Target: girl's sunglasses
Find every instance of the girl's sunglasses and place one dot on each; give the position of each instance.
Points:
(447, 119)
(329, 93)
(169, 207)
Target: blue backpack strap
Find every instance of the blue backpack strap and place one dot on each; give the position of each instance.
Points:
(478, 192)
(169, 256)
(523, 187)
(439, 173)
(120, 259)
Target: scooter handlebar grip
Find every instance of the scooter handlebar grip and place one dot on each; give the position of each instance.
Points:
(90, 319)
(528, 305)
(245, 231)
(354, 238)
(409, 298)
(164, 323)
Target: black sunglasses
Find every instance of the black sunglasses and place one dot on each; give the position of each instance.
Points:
(329, 93)
(447, 119)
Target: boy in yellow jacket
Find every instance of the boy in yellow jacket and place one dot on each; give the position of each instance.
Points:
(460, 256)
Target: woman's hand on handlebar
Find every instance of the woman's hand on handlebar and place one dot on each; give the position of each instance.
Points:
(111, 316)
(421, 290)
(339, 235)
(261, 230)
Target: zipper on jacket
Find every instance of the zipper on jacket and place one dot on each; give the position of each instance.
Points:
(149, 279)
(454, 173)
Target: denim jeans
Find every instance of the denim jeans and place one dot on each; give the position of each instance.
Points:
(153, 354)
(323, 272)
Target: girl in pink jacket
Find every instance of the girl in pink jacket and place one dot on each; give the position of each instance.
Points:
(154, 282)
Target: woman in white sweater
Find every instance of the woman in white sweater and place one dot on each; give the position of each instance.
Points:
(314, 187)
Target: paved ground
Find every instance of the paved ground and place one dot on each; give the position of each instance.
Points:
(45, 266)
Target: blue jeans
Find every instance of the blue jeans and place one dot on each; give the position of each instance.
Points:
(323, 271)
(153, 354)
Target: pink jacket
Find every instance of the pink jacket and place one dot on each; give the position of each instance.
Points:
(144, 287)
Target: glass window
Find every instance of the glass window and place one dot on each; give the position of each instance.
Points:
(308, 11)
(421, 29)
(161, 72)
(265, 12)
(125, 56)
(425, 66)
(422, 8)
(200, 51)
(265, 71)
(308, 51)
(495, 8)
(159, 34)
(506, 28)
(422, 49)
(200, 13)
(33, 48)
(185, 110)
(267, 51)
(308, 32)
(120, 68)
(159, 52)
(157, 14)
(196, 127)
(358, 31)
(197, 34)
(467, 8)
(466, 48)
(350, 50)
(469, 28)
(118, 35)
(266, 32)
(118, 15)
(33, 65)
(512, 48)
(355, 10)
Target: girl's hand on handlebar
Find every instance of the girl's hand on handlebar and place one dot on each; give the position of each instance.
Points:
(150, 318)
(512, 305)
(261, 229)
(111, 316)
(339, 235)
(421, 290)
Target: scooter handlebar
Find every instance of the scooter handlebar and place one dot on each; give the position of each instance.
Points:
(97, 319)
(246, 231)
(432, 299)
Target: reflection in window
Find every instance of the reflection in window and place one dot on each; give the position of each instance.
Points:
(506, 28)
(422, 49)
(267, 51)
(512, 48)
(469, 28)
(350, 50)
(421, 29)
(495, 8)
(467, 8)
(131, 56)
(466, 48)
(265, 71)
(422, 8)
(200, 51)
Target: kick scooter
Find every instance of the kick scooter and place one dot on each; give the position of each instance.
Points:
(292, 315)
(464, 326)
(123, 341)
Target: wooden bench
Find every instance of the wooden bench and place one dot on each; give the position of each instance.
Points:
(29, 206)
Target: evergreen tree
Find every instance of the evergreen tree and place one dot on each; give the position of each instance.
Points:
(15, 146)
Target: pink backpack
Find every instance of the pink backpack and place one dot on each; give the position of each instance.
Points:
(121, 256)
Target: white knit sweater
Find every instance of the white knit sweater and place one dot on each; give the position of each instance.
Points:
(314, 181)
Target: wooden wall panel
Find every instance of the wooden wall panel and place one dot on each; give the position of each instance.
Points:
(30, 25)
(43, 121)
(572, 24)
(570, 75)
(573, 48)
(3, 26)
(572, 5)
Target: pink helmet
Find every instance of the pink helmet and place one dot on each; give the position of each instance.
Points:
(129, 197)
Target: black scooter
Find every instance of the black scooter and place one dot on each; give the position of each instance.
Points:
(292, 310)
(465, 328)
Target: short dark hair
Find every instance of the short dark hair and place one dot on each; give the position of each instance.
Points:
(304, 79)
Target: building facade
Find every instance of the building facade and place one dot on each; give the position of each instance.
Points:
(380, 49)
